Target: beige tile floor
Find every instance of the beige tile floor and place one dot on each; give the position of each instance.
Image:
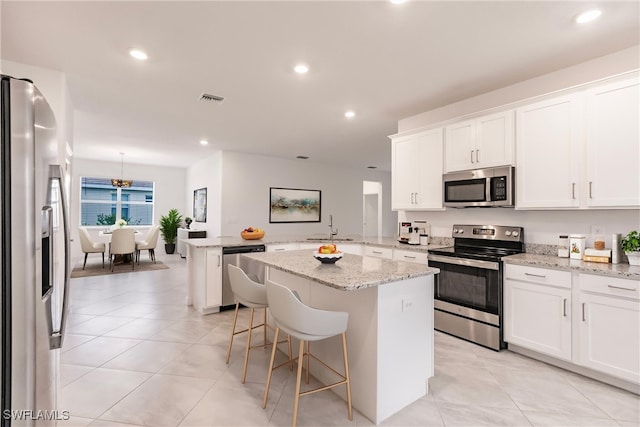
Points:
(135, 354)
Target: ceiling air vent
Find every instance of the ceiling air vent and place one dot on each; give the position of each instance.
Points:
(211, 98)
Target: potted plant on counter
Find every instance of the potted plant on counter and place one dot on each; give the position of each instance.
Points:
(631, 246)
(188, 222)
(169, 225)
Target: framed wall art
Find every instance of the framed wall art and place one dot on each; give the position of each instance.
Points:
(294, 205)
(200, 205)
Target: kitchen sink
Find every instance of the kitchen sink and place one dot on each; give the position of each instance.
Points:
(326, 239)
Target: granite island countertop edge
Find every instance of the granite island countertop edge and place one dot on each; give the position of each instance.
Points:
(415, 270)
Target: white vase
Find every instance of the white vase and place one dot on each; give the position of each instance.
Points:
(634, 258)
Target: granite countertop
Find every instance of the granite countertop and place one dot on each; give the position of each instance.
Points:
(388, 242)
(350, 273)
(624, 271)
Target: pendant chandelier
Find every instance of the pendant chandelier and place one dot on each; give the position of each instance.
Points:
(121, 182)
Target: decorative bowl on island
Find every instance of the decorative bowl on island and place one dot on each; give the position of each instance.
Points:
(327, 258)
(327, 254)
(251, 233)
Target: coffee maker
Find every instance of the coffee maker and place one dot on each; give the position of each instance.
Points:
(410, 231)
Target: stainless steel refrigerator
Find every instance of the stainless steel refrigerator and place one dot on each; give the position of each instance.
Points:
(34, 249)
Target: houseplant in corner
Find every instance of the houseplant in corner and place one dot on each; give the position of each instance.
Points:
(169, 225)
(631, 247)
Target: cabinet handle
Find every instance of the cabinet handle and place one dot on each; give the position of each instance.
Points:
(416, 198)
(542, 276)
(377, 252)
(412, 198)
(590, 185)
(278, 249)
(219, 260)
(584, 319)
(409, 257)
(477, 156)
(564, 307)
(471, 156)
(620, 287)
(573, 190)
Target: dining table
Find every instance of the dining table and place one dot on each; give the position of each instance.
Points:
(105, 236)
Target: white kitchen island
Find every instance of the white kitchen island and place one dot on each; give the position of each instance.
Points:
(390, 332)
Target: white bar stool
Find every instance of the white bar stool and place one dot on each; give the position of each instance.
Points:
(253, 295)
(306, 324)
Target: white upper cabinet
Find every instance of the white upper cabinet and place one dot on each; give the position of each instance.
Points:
(548, 140)
(613, 145)
(580, 150)
(482, 142)
(417, 171)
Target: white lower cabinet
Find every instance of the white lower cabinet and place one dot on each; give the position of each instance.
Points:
(378, 252)
(609, 326)
(536, 313)
(410, 256)
(213, 278)
(601, 332)
(280, 247)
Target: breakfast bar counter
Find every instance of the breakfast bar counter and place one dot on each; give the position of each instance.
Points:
(390, 332)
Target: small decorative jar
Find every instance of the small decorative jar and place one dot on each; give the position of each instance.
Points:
(576, 246)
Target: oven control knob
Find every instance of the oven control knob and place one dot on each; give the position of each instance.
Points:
(460, 231)
(515, 233)
(455, 231)
(508, 233)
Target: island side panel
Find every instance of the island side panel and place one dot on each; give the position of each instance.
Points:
(405, 343)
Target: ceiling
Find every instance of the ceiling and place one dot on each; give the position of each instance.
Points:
(383, 61)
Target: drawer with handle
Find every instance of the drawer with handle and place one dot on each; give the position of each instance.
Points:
(378, 252)
(410, 256)
(543, 276)
(613, 286)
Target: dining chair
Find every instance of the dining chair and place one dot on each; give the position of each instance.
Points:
(149, 243)
(89, 246)
(123, 242)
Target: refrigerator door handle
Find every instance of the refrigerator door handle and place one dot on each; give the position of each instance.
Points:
(56, 336)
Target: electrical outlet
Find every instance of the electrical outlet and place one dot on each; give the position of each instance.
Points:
(407, 304)
(596, 229)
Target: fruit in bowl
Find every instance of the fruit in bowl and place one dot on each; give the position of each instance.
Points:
(327, 254)
(328, 249)
(252, 233)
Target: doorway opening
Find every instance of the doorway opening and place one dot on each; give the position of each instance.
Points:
(371, 209)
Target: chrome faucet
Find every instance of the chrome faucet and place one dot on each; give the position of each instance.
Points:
(331, 232)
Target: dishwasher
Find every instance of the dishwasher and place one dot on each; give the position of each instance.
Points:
(253, 269)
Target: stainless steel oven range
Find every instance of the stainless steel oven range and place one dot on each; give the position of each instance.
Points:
(468, 290)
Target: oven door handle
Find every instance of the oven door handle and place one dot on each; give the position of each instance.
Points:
(488, 265)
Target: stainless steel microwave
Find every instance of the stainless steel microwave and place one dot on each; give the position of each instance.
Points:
(479, 188)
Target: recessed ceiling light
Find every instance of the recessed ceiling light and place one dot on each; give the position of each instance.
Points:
(398, 1)
(350, 114)
(204, 142)
(138, 54)
(588, 16)
(302, 157)
(301, 69)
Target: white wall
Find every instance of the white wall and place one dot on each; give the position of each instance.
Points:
(170, 184)
(206, 174)
(540, 226)
(246, 180)
(599, 68)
